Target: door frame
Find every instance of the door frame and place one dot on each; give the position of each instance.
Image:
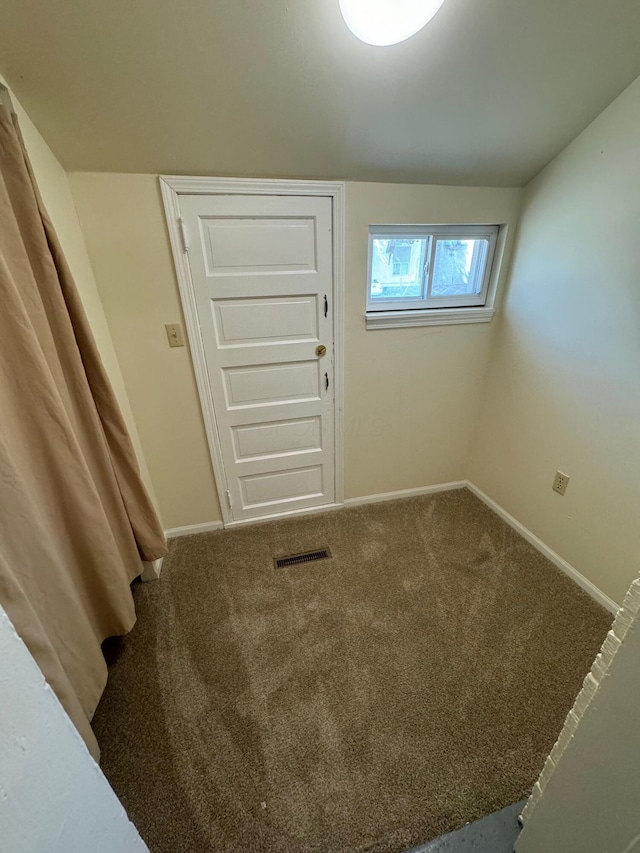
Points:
(172, 187)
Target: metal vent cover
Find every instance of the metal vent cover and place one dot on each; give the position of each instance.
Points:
(306, 557)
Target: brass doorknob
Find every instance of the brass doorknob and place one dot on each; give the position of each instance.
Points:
(321, 350)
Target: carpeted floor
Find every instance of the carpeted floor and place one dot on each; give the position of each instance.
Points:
(369, 702)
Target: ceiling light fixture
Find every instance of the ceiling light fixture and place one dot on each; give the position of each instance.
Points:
(383, 22)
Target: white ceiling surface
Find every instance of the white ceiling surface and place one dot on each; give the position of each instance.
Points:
(486, 94)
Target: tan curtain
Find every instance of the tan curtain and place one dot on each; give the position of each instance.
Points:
(75, 519)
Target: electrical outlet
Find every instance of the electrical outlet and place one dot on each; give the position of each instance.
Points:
(174, 334)
(560, 483)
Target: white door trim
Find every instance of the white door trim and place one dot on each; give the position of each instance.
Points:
(172, 187)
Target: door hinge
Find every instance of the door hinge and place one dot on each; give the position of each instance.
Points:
(229, 498)
(183, 234)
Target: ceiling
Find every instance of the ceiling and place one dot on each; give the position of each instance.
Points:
(486, 94)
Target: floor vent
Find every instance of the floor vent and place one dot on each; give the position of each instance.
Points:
(297, 559)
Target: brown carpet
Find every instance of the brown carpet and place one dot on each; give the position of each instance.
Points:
(370, 702)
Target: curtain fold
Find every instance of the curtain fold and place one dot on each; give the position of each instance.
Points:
(75, 519)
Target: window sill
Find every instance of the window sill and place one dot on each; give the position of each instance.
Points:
(428, 317)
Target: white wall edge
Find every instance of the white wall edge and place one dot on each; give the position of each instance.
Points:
(539, 545)
(191, 529)
(406, 493)
(54, 796)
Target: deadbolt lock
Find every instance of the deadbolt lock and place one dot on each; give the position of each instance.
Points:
(321, 350)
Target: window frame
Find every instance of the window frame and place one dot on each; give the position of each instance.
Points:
(413, 309)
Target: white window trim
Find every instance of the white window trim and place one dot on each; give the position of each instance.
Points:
(443, 312)
(428, 317)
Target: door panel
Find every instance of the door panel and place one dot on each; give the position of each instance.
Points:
(271, 384)
(264, 245)
(262, 272)
(275, 488)
(277, 437)
(256, 321)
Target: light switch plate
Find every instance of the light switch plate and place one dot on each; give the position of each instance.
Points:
(175, 334)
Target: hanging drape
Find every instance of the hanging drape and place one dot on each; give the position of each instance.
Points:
(75, 519)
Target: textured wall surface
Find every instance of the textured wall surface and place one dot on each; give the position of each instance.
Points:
(586, 800)
(53, 796)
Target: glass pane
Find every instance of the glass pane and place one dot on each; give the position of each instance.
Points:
(458, 267)
(397, 268)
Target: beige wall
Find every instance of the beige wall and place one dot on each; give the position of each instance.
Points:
(411, 394)
(564, 387)
(126, 236)
(56, 194)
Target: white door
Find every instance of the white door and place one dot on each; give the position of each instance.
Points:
(262, 273)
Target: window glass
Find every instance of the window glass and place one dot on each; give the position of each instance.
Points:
(458, 266)
(397, 268)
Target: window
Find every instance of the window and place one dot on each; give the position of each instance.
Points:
(421, 270)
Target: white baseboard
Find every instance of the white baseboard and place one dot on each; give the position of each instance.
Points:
(207, 526)
(539, 545)
(151, 570)
(190, 529)
(405, 493)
